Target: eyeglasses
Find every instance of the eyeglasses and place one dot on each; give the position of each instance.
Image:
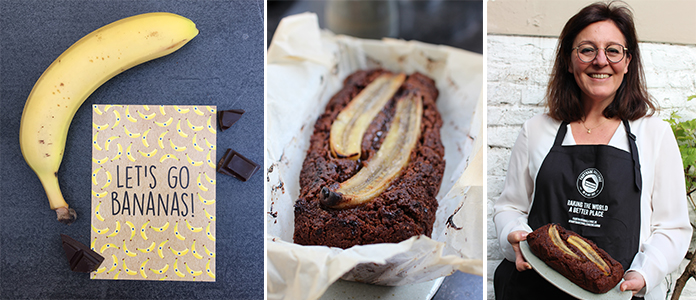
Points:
(588, 52)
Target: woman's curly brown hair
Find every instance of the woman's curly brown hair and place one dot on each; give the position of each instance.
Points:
(563, 96)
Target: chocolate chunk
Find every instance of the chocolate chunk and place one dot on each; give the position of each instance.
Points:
(236, 165)
(223, 160)
(226, 118)
(81, 258)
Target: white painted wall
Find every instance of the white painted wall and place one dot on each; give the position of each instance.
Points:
(670, 21)
(518, 71)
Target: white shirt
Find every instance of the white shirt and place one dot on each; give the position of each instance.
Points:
(665, 231)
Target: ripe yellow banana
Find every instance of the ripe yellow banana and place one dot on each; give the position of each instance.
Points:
(75, 74)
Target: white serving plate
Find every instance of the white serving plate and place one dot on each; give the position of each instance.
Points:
(566, 285)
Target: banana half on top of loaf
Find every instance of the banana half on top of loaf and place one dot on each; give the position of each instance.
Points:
(374, 164)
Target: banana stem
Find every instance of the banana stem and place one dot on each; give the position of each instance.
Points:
(64, 214)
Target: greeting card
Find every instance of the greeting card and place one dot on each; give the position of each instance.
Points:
(153, 192)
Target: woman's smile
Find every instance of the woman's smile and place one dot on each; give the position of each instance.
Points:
(599, 76)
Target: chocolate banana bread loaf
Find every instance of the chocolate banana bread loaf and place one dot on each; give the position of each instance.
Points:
(338, 205)
(576, 258)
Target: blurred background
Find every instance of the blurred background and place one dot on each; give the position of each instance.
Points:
(457, 24)
(454, 23)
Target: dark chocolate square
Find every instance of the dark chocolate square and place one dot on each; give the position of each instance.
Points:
(223, 162)
(227, 118)
(80, 257)
(236, 165)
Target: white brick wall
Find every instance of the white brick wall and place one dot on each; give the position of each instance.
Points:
(518, 72)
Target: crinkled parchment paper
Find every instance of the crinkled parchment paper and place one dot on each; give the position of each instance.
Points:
(305, 67)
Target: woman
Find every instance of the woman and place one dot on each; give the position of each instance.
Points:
(597, 144)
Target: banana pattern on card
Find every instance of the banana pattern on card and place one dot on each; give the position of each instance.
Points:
(176, 239)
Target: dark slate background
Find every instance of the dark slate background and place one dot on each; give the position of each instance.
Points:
(222, 66)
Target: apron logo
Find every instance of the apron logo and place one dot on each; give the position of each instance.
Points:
(590, 183)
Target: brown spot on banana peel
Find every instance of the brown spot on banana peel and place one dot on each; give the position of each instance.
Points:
(349, 127)
(387, 164)
(177, 44)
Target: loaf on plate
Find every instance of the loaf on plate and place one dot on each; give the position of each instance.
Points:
(576, 258)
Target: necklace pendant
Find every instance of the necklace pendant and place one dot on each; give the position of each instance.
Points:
(589, 131)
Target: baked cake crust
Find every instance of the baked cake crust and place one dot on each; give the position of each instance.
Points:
(405, 209)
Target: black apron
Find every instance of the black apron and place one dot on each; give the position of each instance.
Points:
(593, 190)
